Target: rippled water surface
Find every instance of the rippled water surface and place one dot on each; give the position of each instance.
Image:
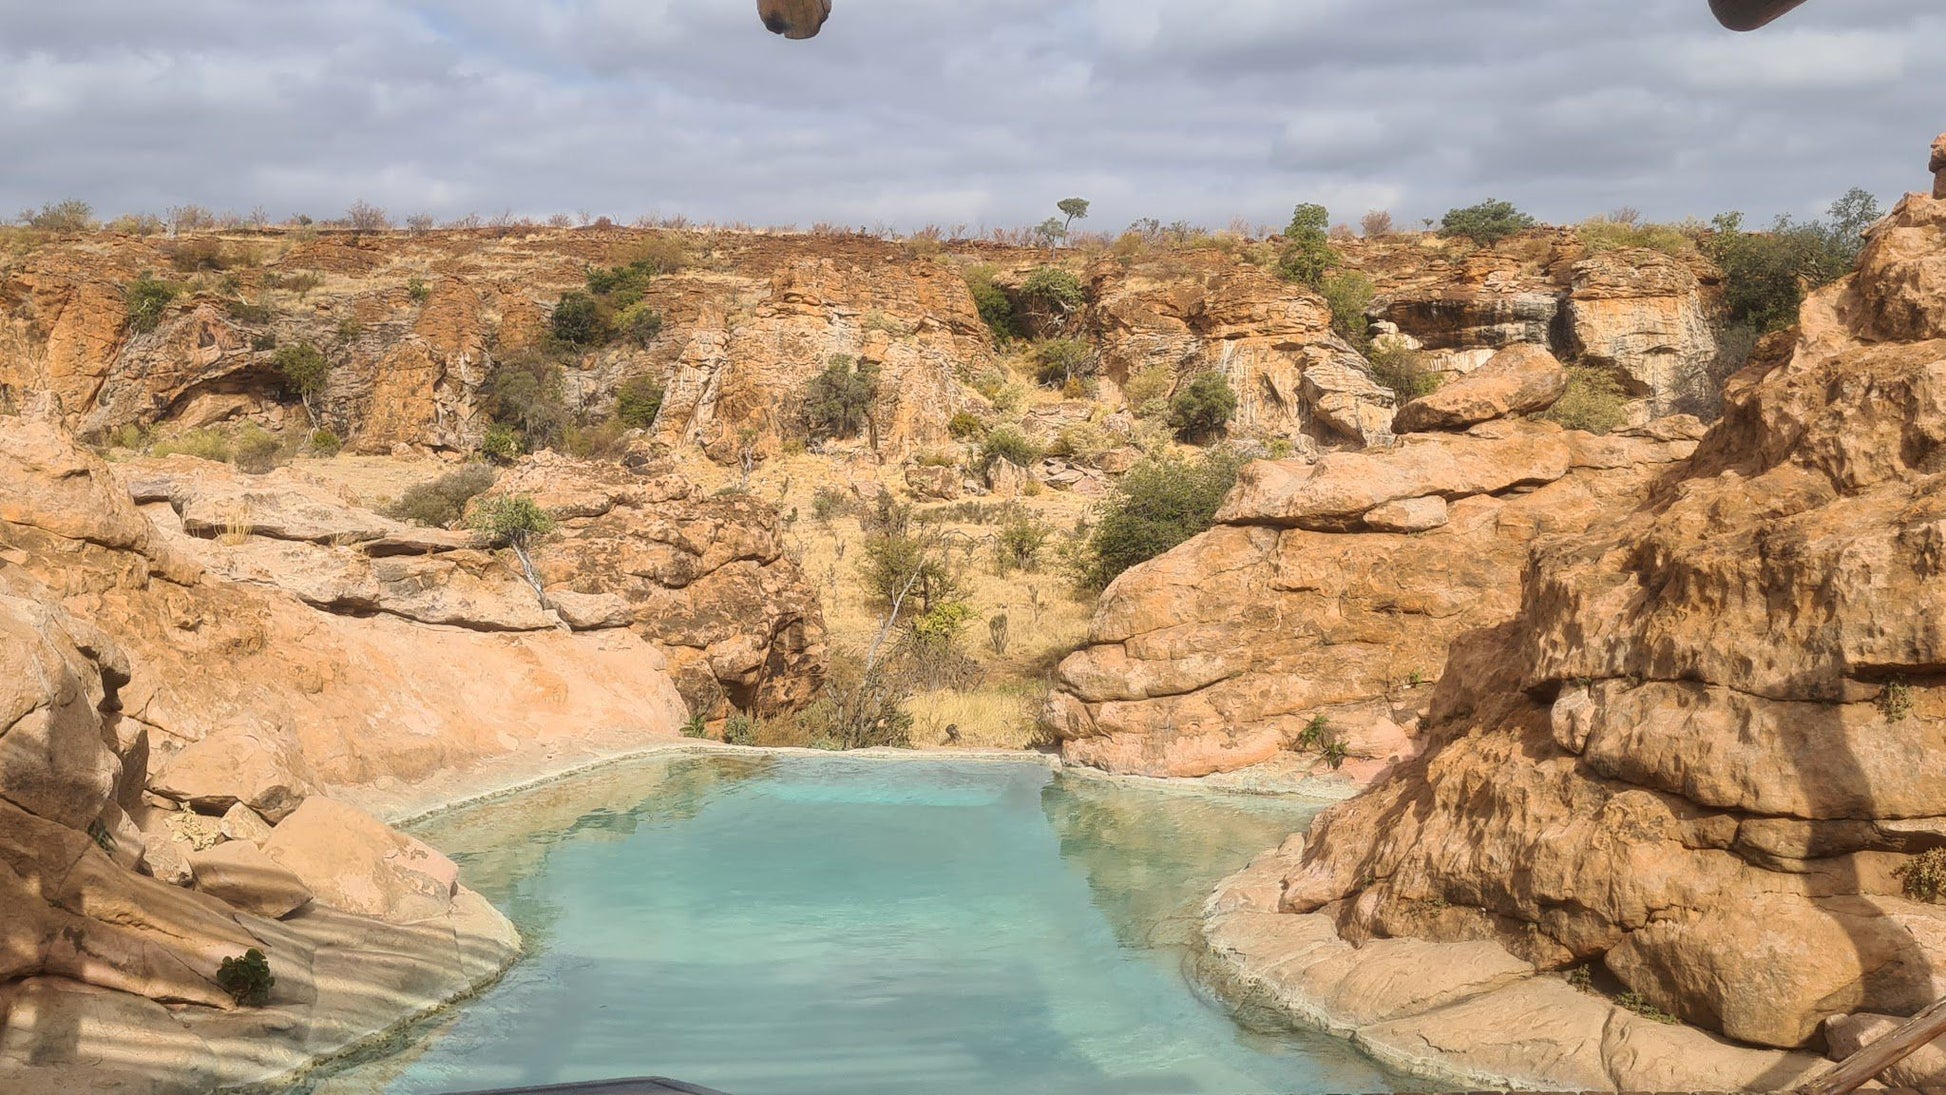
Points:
(805, 925)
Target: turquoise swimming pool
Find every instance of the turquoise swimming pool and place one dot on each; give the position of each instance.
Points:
(810, 925)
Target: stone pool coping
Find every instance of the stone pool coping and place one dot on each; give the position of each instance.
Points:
(1465, 1014)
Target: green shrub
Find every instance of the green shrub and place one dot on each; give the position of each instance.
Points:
(247, 979)
(1767, 274)
(1009, 444)
(996, 308)
(966, 426)
(1895, 701)
(1159, 504)
(1061, 361)
(900, 563)
(838, 401)
(256, 450)
(695, 727)
(638, 402)
(66, 216)
(418, 290)
(305, 371)
(1307, 252)
(1148, 386)
(501, 444)
(1053, 289)
(640, 324)
(1408, 373)
(1349, 295)
(740, 729)
(203, 444)
(1204, 408)
(1019, 544)
(1330, 746)
(148, 298)
(512, 520)
(439, 503)
(1924, 876)
(256, 314)
(578, 320)
(524, 392)
(1486, 223)
(860, 707)
(1613, 233)
(1594, 401)
(829, 503)
(326, 443)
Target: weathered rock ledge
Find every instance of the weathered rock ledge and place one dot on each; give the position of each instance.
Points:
(1468, 1014)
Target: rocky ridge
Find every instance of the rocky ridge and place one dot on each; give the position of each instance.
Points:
(1692, 765)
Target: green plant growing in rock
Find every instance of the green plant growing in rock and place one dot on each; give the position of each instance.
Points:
(1203, 409)
(1640, 1005)
(1486, 223)
(1767, 274)
(439, 503)
(741, 729)
(696, 727)
(501, 444)
(1895, 701)
(1159, 504)
(524, 392)
(966, 426)
(1319, 737)
(996, 308)
(1011, 445)
(1061, 361)
(638, 401)
(1594, 401)
(640, 324)
(306, 372)
(838, 401)
(247, 978)
(1407, 373)
(1349, 294)
(1923, 877)
(418, 290)
(147, 298)
(516, 521)
(1053, 296)
(578, 321)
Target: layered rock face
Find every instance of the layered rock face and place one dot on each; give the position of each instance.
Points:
(1699, 756)
(201, 697)
(1637, 313)
(1328, 592)
(1206, 313)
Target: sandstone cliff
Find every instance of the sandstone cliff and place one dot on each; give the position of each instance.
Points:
(1324, 601)
(1696, 761)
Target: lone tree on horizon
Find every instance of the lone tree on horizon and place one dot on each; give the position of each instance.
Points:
(1076, 209)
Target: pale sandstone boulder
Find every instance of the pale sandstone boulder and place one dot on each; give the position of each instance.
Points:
(1847, 1034)
(243, 875)
(1518, 380)
(1409, 515)
(933, 484)
(54, 760)
(1643, 315)
(352, 862)
(240, 822)
(257, 767)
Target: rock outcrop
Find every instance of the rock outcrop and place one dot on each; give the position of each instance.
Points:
(1326, 597)
(1695, 760)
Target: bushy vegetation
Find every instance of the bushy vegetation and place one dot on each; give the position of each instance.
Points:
(1204, 408)
(501, 444)
(966, 426)
(1406, 372)
(256, 450)
(1923, 877)
(1053, 296)
(515, 519)
(1486, 223)
(909, 569)
(838, 401)
(251, 448)
(1009, 444)
(1594, 401)
(1767, 274)
(1307, 252)
(523, 394)
(247, 978)
(439, 503)
(1624, 228)
(1019, 543)
(860, 707)
(578, 320)
(305, 372)
(148, 297)
(638, 401)
(1349, 295)
(1158, 505)
(63, 216)
(995, 306)
(1061, 361)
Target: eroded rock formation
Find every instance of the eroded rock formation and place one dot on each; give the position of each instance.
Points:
(1330, 589)
(1698, 756)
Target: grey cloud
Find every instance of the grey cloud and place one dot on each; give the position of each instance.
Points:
(917, 111)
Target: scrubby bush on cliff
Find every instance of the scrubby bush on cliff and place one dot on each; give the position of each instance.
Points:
(305, 371)
(1204, 408)
(247, 978)
(1766, 274)
(1053, 296)
(1307, 252)
(1349, 294)
(995, 307)
(148, 297)
(1019, 543)
(1009, 444)
(1486, 223)
(1408, 373)
(1160, 503)
(438, 503)
(1594, 401)
(640, 324)
(638, 401)
(1061, 361)
(1624, 228)
(523, 393)
(202, 444)
(501, 444)
(65, 216)
(838, 401)
(578, 321)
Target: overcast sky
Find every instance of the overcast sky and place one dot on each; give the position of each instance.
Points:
(981, 112)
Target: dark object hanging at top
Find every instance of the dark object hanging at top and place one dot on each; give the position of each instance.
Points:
(1750, 14)
(794, 18)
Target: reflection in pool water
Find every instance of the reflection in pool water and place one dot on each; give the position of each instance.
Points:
(839, 925)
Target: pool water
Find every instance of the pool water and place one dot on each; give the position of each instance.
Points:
(807, 925)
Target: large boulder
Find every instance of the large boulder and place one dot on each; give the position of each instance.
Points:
(1518, 380)
(350, 861)
(1643, 315)
(256, 767)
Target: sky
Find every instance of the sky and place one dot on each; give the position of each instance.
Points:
(976, 113)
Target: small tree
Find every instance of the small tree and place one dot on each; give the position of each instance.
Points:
(1159, 504)
(838, 401)
(1075, 209)
(1349, 295)
(516, 521)
(1307, 251)
(1061, 360)
(148, 297)
(1050, 232)
(578, 320)
(1054, 297)
(363, 216)
(1377, 224)
(995, 307)
(1486, 223)
(638, 402)
(306, 372)
(68, 216)
(1204, 408)
(247, 978)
